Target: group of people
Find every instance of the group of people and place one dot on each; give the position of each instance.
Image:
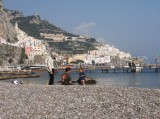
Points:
(52, 68)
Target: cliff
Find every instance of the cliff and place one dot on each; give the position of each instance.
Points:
(7, 30)
(10, 55)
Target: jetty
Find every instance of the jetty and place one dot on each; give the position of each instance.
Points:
(124, 69)
(103, 68)
(12, 72)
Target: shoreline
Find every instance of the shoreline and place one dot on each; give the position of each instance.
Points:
(78, 102)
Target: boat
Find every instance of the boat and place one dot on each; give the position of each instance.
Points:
(136, 69)
(88, 81)
(135, 66)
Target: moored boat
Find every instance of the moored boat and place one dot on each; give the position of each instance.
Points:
(88, 81)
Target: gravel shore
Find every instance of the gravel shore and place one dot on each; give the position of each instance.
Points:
(77, 102)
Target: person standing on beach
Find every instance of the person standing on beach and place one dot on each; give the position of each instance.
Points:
(82, 76)
(51, 67)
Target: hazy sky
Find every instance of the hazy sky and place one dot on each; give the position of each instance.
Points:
(131, 25)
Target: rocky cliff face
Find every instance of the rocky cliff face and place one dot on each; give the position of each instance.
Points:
(1, 6)
(10, 55)
(7, 30)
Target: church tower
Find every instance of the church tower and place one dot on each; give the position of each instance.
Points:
(16, 25)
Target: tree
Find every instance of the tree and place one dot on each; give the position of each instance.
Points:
(22, 56)
(10, 60)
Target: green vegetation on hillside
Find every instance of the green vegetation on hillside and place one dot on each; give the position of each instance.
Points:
(72, 47)
(33, 26)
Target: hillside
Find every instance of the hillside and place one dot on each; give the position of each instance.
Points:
(7, 30)
(9, 55)
(56, 39)
(33, 26)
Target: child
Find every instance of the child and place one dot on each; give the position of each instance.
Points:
(82, 76)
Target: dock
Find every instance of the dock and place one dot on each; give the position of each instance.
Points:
(107, 69)
(103, 68)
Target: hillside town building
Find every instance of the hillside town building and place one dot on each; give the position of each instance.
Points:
(54, 37)
(32, 46)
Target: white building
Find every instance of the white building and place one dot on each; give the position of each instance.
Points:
(3, 41)
(97, 59)
(107, 50)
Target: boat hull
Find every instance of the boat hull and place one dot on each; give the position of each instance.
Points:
(136, 69)
(88, 82)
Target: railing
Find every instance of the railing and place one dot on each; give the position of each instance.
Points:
(11, 69)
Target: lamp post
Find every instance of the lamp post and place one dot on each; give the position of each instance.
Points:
(157, 61)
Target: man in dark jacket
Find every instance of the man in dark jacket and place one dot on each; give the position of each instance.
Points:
(66, 78)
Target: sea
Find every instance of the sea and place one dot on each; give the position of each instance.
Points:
(145, 79)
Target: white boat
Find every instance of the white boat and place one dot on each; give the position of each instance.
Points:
(112, 67)
(136, 69)
(136, 65)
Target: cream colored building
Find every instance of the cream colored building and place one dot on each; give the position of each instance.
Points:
(77, 57)
(54, 37)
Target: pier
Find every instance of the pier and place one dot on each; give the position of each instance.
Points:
(124, 69)
(87, 68)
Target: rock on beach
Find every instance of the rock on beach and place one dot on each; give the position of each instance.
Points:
(77, 102)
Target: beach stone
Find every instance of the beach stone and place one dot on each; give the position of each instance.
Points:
(77, 102)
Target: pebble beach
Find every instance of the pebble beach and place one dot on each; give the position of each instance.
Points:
(77, 102)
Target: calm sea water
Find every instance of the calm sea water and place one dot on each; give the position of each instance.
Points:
(146, 79)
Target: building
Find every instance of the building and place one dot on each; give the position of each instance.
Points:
(32, 46)
(54, 37)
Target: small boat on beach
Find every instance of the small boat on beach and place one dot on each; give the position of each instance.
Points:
(88, 81)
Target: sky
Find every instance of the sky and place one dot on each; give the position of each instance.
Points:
(130, 25)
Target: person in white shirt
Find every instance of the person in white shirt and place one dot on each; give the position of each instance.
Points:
(51, 67)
